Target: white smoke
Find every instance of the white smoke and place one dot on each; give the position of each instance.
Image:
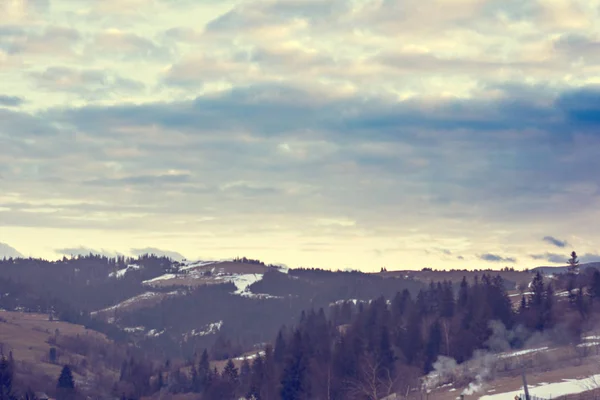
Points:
(483, 364)
(444, 371)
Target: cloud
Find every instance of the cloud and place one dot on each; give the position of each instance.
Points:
(127, 46)
(11, 101)
(85, 81)
(158, 252)
(496, 258)
(55, 40)
(555, 242)
(84, 251)
(551, 257)
(7, 251)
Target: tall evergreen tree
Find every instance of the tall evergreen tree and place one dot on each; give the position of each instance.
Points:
(65, 385)
(6, 380)
(594, 288)
(293, 381)
(573, 263)
(65, 380)
(434, 343)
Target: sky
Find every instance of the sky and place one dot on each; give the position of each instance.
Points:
(319, 133)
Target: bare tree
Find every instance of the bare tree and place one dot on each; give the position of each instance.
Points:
(373, 382)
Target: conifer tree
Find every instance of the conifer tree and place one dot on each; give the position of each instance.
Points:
(6, 379)
(573, 263)
(293, 381)
(65, 380)
(594, 288)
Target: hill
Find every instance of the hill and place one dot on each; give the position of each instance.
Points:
(41, 346)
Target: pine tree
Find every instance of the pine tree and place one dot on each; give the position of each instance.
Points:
(203, 371)
(65, 384)
(65, 380)
(463, 294)
(594, 288)
(433, 346)
(293, 381)
(280, 348)
(230, 372)
(6, 380)
(573, 264)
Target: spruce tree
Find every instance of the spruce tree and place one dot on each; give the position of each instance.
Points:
(594, 288)
(293, 381)
(573, 264)
(65, 380)
(6, 380)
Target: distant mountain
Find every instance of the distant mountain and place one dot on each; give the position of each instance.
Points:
(560, 270)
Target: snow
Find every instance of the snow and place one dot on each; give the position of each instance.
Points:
(519, 294)
(161, 278)
(591, 338)
(242, 283)
(211, 329)
(134, 329)
(551, 390)
(135, 299)
(197, 264)
(250, 357)
(155, 333)
(588, 344)
(121, 273)
(521, 352)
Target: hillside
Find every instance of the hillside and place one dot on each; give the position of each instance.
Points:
(40, 347)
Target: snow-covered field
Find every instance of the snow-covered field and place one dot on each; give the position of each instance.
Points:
(139, 299)
(551, 390)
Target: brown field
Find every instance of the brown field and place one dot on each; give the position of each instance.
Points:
(193, 276)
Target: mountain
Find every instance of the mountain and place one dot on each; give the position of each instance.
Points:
(173, 308)
(547, 270)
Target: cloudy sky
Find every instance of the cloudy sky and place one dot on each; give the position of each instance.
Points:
(325, 133)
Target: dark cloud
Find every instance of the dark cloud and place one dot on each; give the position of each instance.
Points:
(158, 252)
(496, 258)
(551, 257)
(7, 251)
(11, 101)
(555, 242)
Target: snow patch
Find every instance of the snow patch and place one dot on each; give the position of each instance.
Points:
(155, 332)
(521, 352)
(197, 264)
(161, 278)
(250, 357)
(134, 329)
(121, 273)
(588, 344)
(551, 390)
